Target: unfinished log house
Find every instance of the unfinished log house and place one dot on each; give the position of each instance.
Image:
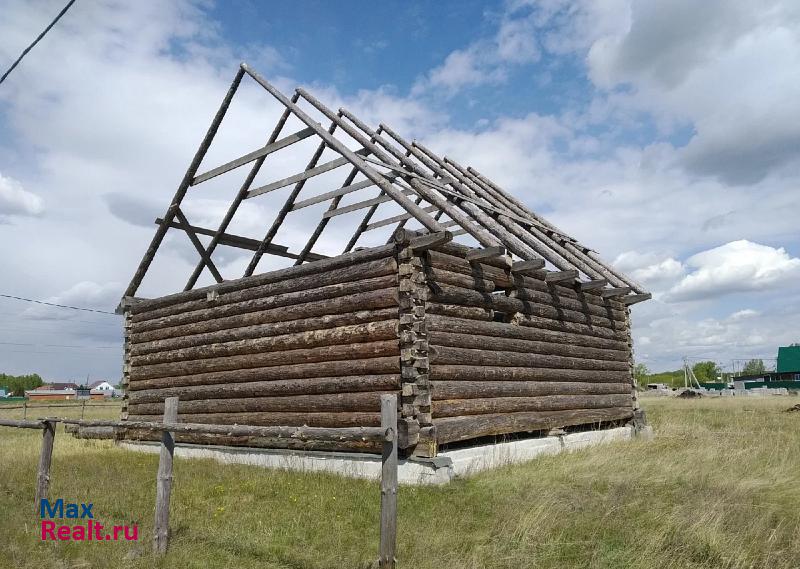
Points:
(482, 316)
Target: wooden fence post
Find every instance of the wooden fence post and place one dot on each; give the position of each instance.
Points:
(388, 541)
(45, 458)
(83, 408)
(24, 409)
(164, 479)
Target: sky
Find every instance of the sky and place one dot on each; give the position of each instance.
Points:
(665, 135)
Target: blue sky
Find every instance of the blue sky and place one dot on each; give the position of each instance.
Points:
(665, 135)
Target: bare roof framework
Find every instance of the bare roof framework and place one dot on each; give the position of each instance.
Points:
(444, 197)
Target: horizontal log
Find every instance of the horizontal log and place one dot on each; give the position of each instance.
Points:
(436, 277)
(330, 402)
(460, 251)
(95, 433)
(276, 419)
(264, 330)
(448, 294)
(439, 260)
(636, 298)
(465, 372)
(283, 387)
(341, 368)
(457, 311)
(531, 321)
(529, 266)
(429, 240)
(461, 407)
(451, 429)
(291, 298)
(341, 305)
(557, 291)
(477, 255)
(303, 432)
(373, 447)
(350, 273)
(449, 355)
(592, 285)
(315, 268)
(506, 330)
(442, 390)
(502, 344)
(369, 332)
(358, 351)
(594, 308)
(561, 276)
(615, 291)
(21, 424)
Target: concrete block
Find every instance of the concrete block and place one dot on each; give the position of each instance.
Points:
(412, 471)
(470, 460)
(577, 441)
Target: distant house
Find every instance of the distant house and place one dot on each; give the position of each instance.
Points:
(102, 387)
(3, 393)
(57, 386)
(789, 363)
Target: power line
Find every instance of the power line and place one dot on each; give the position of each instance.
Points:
(30, 47)
(57, 305)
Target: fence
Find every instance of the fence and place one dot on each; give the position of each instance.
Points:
(169, 426)
(25, 406)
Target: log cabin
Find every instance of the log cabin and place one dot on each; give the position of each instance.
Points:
(485, 319)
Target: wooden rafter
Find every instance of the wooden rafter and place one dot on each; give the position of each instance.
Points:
(446, 198)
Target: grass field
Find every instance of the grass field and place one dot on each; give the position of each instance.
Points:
(719, 487)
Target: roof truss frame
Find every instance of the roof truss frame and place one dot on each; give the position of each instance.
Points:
(425, 186)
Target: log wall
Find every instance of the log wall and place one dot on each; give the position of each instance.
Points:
(471, 348)
(511, 353)
(311, 345)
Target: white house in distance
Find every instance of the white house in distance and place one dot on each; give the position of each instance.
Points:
(101, 387)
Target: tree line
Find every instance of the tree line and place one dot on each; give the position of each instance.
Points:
(705, 372)
(16, 385)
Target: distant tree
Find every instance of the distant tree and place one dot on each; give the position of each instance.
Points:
(16, 385)
(754, 367)
(641, 373)
(706, 372)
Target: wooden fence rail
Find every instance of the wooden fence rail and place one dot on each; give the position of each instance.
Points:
(387, 433)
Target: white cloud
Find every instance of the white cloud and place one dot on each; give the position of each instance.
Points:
(488, 60)
(650, 269)
(744, 314)
(84, 294)
(737, 266)
(725, 69)
(15, 200)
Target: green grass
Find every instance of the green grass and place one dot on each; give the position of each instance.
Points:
(719, 487)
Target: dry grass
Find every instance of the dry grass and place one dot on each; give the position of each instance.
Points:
(718, 488)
